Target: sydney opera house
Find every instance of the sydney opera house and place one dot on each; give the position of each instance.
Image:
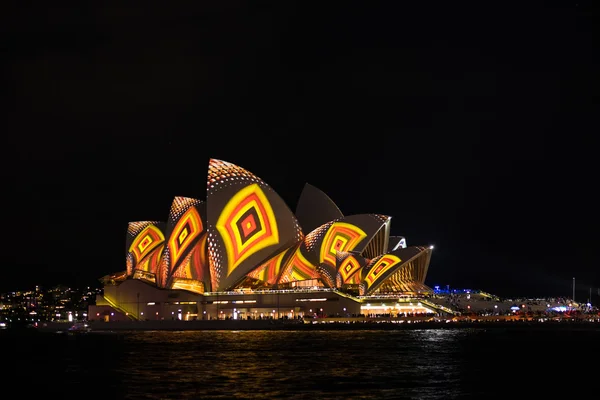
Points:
(243, 254)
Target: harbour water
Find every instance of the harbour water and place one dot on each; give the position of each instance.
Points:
(380, 364)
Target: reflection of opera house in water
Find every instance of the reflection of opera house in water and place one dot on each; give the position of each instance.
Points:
(243, 254)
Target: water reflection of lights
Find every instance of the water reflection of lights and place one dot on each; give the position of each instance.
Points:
(437, 335)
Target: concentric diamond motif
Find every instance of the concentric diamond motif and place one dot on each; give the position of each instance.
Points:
(381, 266)
(247, 225)
(341, 236)
(348, 268)
(188, 228)
(146, 241)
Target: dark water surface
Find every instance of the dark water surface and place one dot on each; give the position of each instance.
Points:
(412, 364)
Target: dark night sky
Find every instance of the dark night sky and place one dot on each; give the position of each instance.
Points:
(472, 125)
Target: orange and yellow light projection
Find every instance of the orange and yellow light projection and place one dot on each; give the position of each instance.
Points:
(192, 266)
(269, 271)
(382, 265)
(348, 268)
(188, 284)
(299, 269)
(129, 264)
(247, 225)
(146, 241)
(187, 229)
(341, 236)
(353, 280)
(151, 262)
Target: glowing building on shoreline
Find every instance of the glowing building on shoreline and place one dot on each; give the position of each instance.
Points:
(242, 251)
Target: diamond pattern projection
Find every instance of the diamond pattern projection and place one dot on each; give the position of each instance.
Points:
(145, 239)
(381, 265)
(341, 236)
(192, 268)
(248, 223)
(146, 245)
(245, 230)
(313, 240)
(269, 271)
(151, 261)
(403, 276)
(351, 233)
(185, 228)
(353, 280)
(349, 267)
(299, 268)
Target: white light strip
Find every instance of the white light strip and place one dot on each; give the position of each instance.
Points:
(311, 299)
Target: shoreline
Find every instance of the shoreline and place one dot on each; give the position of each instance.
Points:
(253, 325)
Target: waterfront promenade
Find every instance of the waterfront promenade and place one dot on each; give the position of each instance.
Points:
(358, 323)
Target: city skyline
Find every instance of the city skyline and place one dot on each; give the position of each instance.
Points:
(478, 141)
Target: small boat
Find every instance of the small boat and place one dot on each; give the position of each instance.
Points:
(79, 327)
